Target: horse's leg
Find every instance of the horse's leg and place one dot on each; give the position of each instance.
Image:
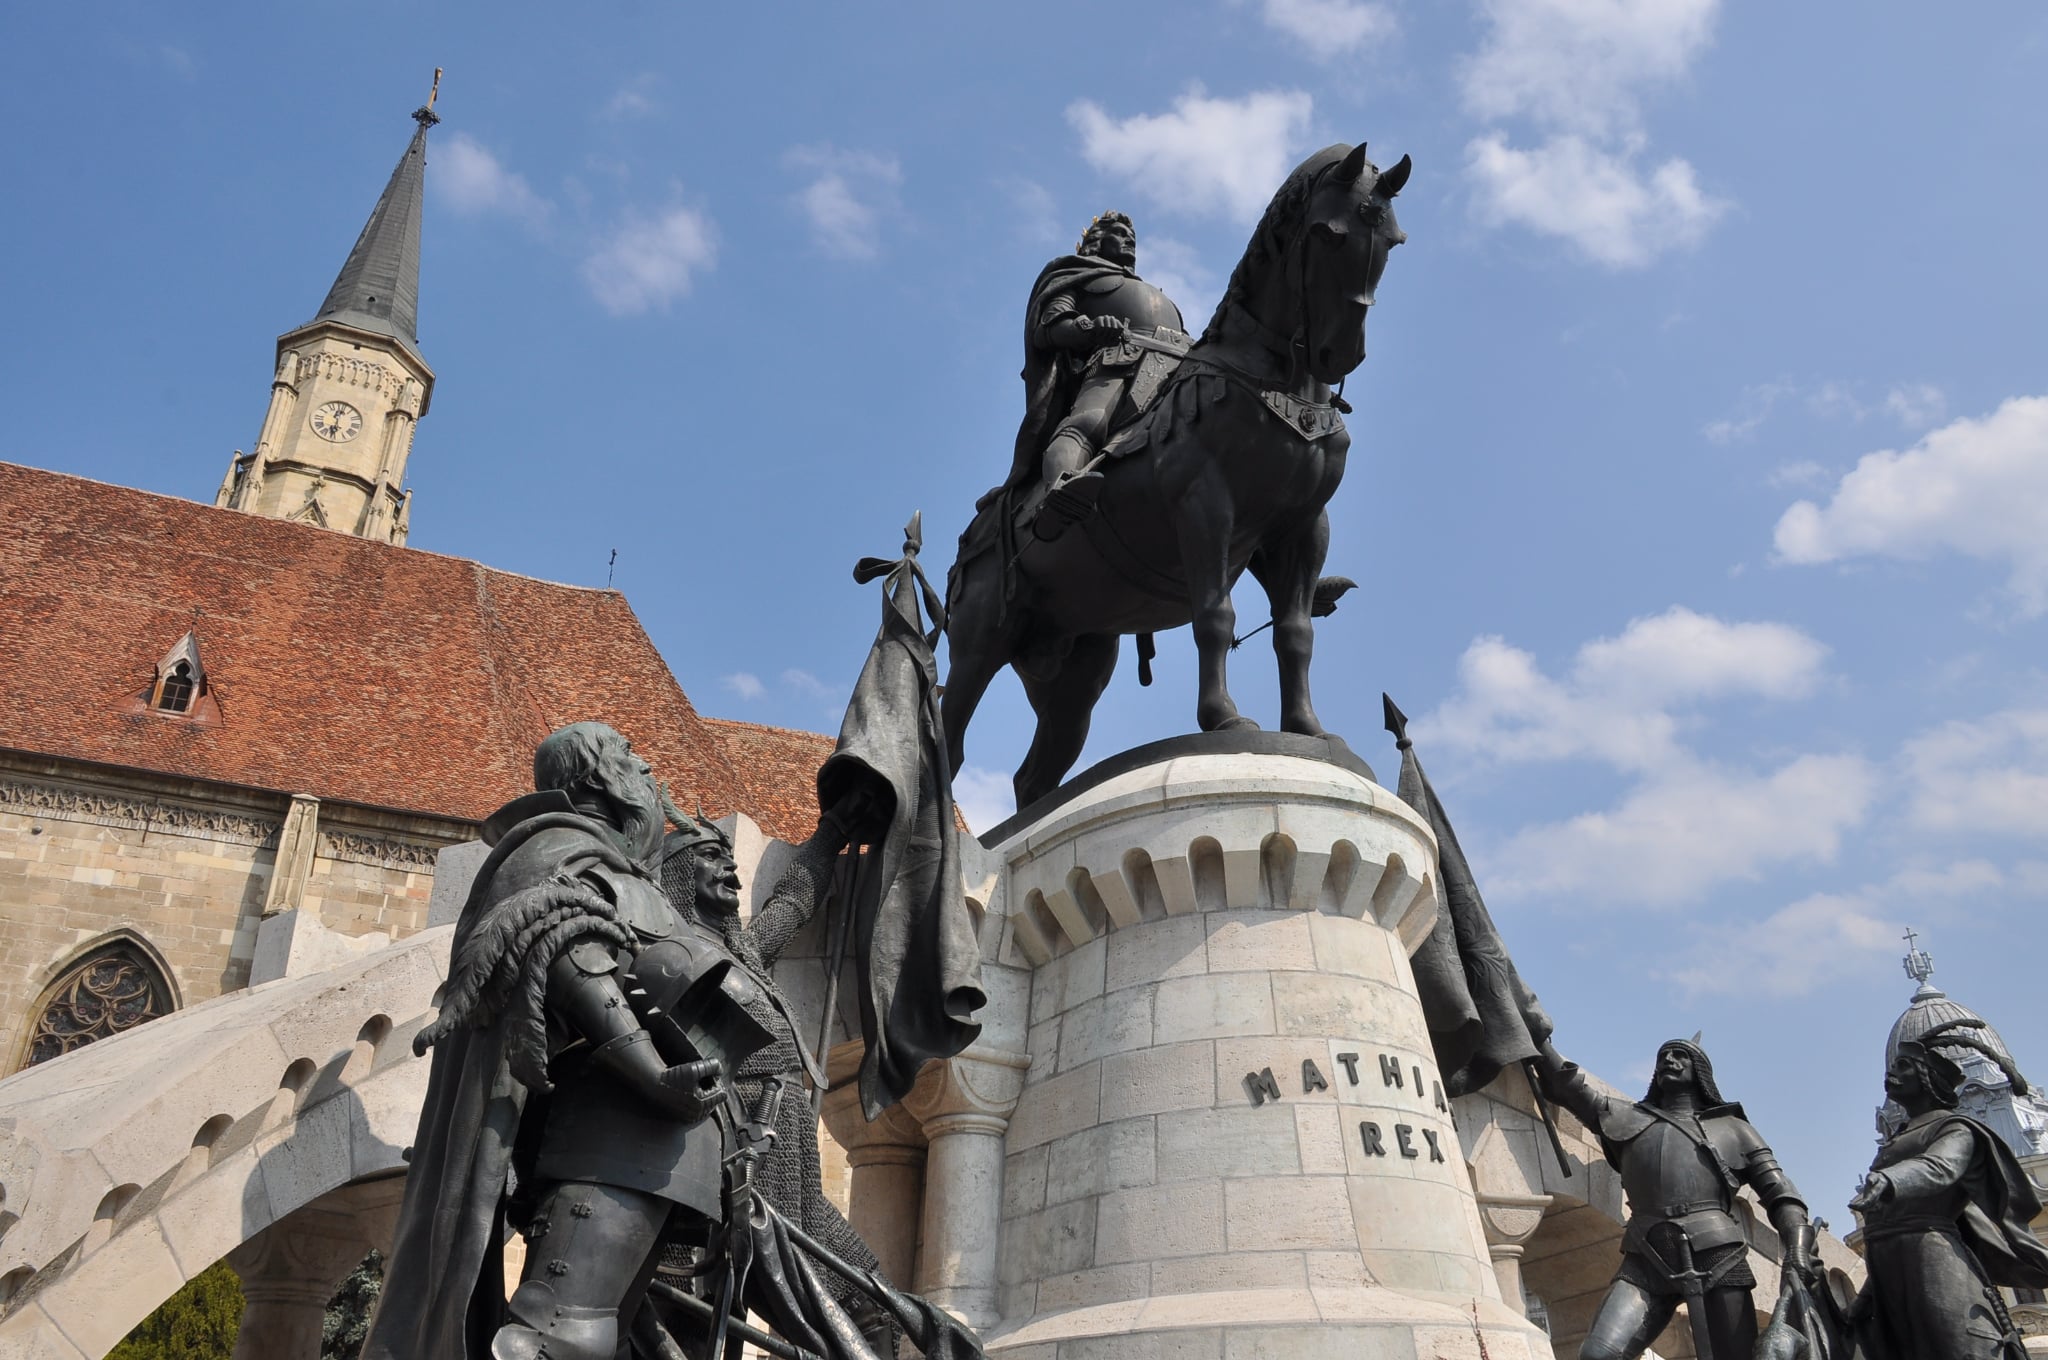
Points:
(968, 676)
(1204, 532)
(1064, 705)
(976, 651)
(1288, 567)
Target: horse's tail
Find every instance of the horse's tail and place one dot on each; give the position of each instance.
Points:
(1146, 651)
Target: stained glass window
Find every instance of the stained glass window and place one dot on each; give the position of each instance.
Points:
(108, 991)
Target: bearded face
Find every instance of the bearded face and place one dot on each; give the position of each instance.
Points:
(628, 785)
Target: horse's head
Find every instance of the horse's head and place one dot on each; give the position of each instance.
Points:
(1348, 228)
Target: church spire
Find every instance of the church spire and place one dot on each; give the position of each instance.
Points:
(350, 385)
(378, 289)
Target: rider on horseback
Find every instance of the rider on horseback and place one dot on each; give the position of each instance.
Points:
(1089, 327)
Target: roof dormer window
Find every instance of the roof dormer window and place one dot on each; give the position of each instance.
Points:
(178, 688)
(174, 691)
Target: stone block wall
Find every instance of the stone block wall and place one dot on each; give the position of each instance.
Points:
(69, 878)
(1189, 1127)
(185, 869)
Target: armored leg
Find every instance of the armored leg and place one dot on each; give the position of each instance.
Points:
(588, 1256)
(1731, 1322)
(1629, 1319)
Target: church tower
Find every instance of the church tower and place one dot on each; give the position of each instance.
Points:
(350, 384)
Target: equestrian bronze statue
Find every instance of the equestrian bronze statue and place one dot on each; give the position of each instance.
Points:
(1215, 461)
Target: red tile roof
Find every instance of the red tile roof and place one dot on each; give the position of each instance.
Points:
(779, 768)
(351, 670)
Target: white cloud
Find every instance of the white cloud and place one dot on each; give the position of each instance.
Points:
(1690, 826)
(470, 179)
(1215, 156)
(1978, 487)
(984, 797)
(1581, 65)
(1176, 269)
(1755, 407)
(1790, 952)
(631, 100)
(1825, 936)
(1574, 72)
(850, 196)
(745, 684)
(1616, 704)
(1330, 29)
(648, 262)
(1599, 201)
(1916, 405)
(1982, 777)
(808, 685)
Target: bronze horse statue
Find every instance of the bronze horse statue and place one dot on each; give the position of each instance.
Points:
(1230, 465)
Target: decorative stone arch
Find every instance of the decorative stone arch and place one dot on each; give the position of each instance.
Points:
(144, 975)
(132, 1164)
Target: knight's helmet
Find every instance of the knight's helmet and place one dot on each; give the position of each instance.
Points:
(690, 836)
(1702, 1068)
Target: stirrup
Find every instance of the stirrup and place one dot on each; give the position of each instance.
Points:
(1070, 500)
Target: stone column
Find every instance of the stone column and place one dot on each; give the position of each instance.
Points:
(291, 1269)
(1510, 1221)
(887, 1158)
(964, 1104)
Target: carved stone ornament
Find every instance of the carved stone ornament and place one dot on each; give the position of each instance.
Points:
(137, 814)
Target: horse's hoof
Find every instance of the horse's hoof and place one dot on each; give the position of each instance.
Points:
(1240, 723)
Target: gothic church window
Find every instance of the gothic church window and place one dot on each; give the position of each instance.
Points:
(113, 988)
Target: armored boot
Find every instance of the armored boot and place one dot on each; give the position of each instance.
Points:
(544, 1329)
(1072, 485)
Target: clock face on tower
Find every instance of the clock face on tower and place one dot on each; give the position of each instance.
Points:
(337, 421)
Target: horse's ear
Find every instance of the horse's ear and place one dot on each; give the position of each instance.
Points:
(1393, 177)
(1352, 166)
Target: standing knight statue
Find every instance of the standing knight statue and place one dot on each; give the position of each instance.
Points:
(1089, 328)
(1683, 1154)
(1946, 1210)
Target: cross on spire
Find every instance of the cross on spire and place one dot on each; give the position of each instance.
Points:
(424, 115)
(1919, 964)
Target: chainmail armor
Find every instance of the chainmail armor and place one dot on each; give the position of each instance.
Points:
(788, 1174)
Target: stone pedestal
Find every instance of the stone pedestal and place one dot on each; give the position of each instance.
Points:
(1232, 1140)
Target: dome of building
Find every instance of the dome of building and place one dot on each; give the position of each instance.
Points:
(1994, 1092)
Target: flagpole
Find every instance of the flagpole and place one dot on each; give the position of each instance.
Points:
(838, 927)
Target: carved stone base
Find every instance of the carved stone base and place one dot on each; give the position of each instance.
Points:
(1232, 1138)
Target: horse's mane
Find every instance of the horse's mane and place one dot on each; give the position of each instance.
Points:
(1275, 230)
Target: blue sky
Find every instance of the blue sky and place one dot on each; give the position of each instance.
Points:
(1699, 492)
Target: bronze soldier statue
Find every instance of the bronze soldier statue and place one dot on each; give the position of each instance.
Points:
(703, 885)
(1945, 1213)
(569, 1090)
(1088, 328)
(1683, 1153)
